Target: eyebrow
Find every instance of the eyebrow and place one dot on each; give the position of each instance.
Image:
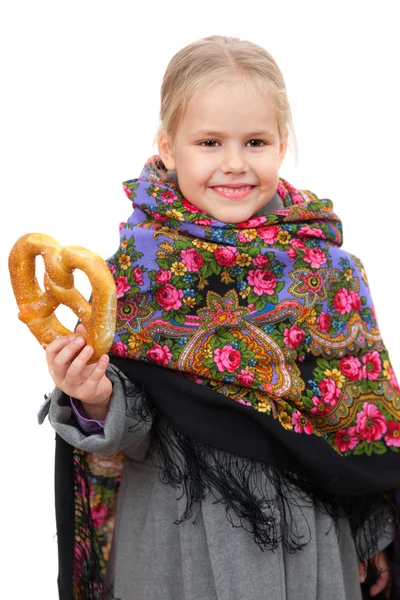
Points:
(211, 134)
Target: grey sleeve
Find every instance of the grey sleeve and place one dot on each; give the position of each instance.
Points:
(123, 431)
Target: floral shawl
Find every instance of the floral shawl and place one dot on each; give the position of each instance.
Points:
(267, 330)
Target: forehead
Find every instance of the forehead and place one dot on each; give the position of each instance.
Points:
(229, 106)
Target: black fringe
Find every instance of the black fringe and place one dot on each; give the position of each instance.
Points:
(257, 496)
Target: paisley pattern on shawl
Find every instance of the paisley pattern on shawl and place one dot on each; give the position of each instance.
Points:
(270, 312)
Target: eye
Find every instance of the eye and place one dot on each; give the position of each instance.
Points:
(208, 144)
(257, 143)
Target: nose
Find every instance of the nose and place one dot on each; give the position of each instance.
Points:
(234, 161)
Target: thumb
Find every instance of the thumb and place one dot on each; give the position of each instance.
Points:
(81, 329)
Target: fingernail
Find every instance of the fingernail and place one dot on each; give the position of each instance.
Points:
(87, 350)
(78, 340)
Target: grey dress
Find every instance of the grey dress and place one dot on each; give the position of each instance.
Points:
(204, 558)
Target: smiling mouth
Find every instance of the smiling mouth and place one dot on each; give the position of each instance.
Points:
(233, 192)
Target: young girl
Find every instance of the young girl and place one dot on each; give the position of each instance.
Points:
(241, 440)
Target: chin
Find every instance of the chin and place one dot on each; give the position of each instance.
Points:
(233, 217)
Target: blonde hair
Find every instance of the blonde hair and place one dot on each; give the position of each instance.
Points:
(219, 59)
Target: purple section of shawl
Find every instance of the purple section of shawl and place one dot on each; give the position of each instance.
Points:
(87, 425)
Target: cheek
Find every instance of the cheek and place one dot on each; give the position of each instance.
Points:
(196, 173)
(269, 178)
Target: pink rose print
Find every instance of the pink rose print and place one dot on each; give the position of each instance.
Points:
(122, 285)
(99, 513)
(119, 349)
(346, 439)
(227, 358)
(371, 423)
(84, 486)
(245, 378)
(168, 296)
(392, 438)
(263, 282)
(307, 231)
(113, 269)
(159, 217)
(261, 261)
(351, 368)
(298, 244)
(291, 253)
(301, 423)
(159, 354)
(163, 276)
(251, 223)
(268, 234)
(138, 275)
(294, 336)
(324, 321)
(373, 365)
(226, 256)
(329, 391)
(315, 257)
(241, 401)
(242, 237)
(168, 197)
(393, 381)
(190, 207)
(205, 222)
(355, 301)
(373, 311)
(320, 408)
(192, 260)
(342, 301)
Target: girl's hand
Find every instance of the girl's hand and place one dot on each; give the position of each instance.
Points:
(67, 362)
(383, 583)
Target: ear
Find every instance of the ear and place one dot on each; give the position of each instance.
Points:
(283, 147)
(166, 150)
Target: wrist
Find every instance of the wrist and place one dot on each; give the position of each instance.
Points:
(96, 411)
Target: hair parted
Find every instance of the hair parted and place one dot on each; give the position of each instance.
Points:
(219, 59)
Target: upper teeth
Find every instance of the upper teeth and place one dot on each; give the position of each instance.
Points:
(227, 190)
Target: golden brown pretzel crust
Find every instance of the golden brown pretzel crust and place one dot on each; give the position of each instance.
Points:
(37, 307)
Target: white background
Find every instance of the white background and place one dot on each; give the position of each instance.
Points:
(79, 111)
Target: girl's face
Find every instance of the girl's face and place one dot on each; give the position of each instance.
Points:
(226, 152)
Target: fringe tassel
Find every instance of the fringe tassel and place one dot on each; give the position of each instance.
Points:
(257, 496)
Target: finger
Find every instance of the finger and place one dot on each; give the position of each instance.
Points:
(55, 347)
(81, 329)
(78, 370)
(97, 374)
(65, 357)
(382, 567)
(380, 584)
(88, 388)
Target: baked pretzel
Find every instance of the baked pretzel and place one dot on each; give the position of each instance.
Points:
(37, 307)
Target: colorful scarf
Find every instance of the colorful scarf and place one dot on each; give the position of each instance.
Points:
(257, 340)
